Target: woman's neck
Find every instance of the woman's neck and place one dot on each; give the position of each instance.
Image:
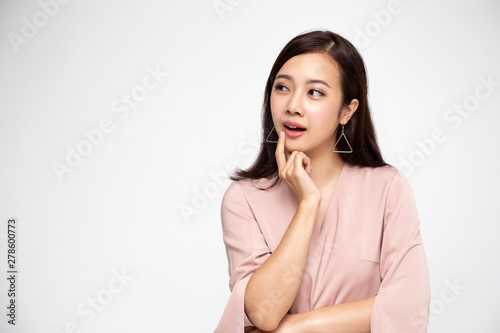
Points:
(325, 168)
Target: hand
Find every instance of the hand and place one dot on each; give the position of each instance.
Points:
(287, 325)
(295, 172)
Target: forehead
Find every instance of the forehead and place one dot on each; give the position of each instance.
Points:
(312, 66)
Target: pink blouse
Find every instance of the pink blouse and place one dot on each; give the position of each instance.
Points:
(368, 244)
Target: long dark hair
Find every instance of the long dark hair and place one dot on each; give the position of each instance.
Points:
(359, 130)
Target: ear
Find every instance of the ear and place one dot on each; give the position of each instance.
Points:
(348, 111)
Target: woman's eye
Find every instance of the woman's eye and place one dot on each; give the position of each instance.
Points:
(280, 87)
(315, 93)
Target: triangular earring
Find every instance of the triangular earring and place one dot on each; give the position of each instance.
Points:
(347, 141)
(268, 140)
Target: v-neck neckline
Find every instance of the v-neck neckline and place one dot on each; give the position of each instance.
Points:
(332, 196)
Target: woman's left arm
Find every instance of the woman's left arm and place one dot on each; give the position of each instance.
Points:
(403, 299)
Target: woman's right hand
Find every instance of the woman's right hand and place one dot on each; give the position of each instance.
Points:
(295, 172)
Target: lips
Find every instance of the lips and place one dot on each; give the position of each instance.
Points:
(293, 126)
(293, 129)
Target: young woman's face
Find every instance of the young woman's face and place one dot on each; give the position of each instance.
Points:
(307, 94)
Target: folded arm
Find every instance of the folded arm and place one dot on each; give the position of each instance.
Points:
(352, 317)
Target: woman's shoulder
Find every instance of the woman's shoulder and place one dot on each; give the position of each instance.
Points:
(245, 188)
(381, 175)
(255, 185)
(385, 171)
(366, 184)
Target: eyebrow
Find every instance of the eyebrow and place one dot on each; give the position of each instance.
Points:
(288, 77)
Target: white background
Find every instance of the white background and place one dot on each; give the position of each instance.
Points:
(119, 210)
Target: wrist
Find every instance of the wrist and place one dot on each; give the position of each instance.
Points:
(311, 202)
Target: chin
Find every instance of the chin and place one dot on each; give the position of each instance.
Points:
(295, 146)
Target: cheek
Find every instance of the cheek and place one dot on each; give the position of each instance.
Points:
(326, 115)
(276, 111)
(274, 105)
(325, 118)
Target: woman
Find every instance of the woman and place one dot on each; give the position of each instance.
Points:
(321, 234)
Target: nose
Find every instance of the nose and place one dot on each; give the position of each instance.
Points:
(295, 104)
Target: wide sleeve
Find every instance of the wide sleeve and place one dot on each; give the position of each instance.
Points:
(402, 303)
(246, 250)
